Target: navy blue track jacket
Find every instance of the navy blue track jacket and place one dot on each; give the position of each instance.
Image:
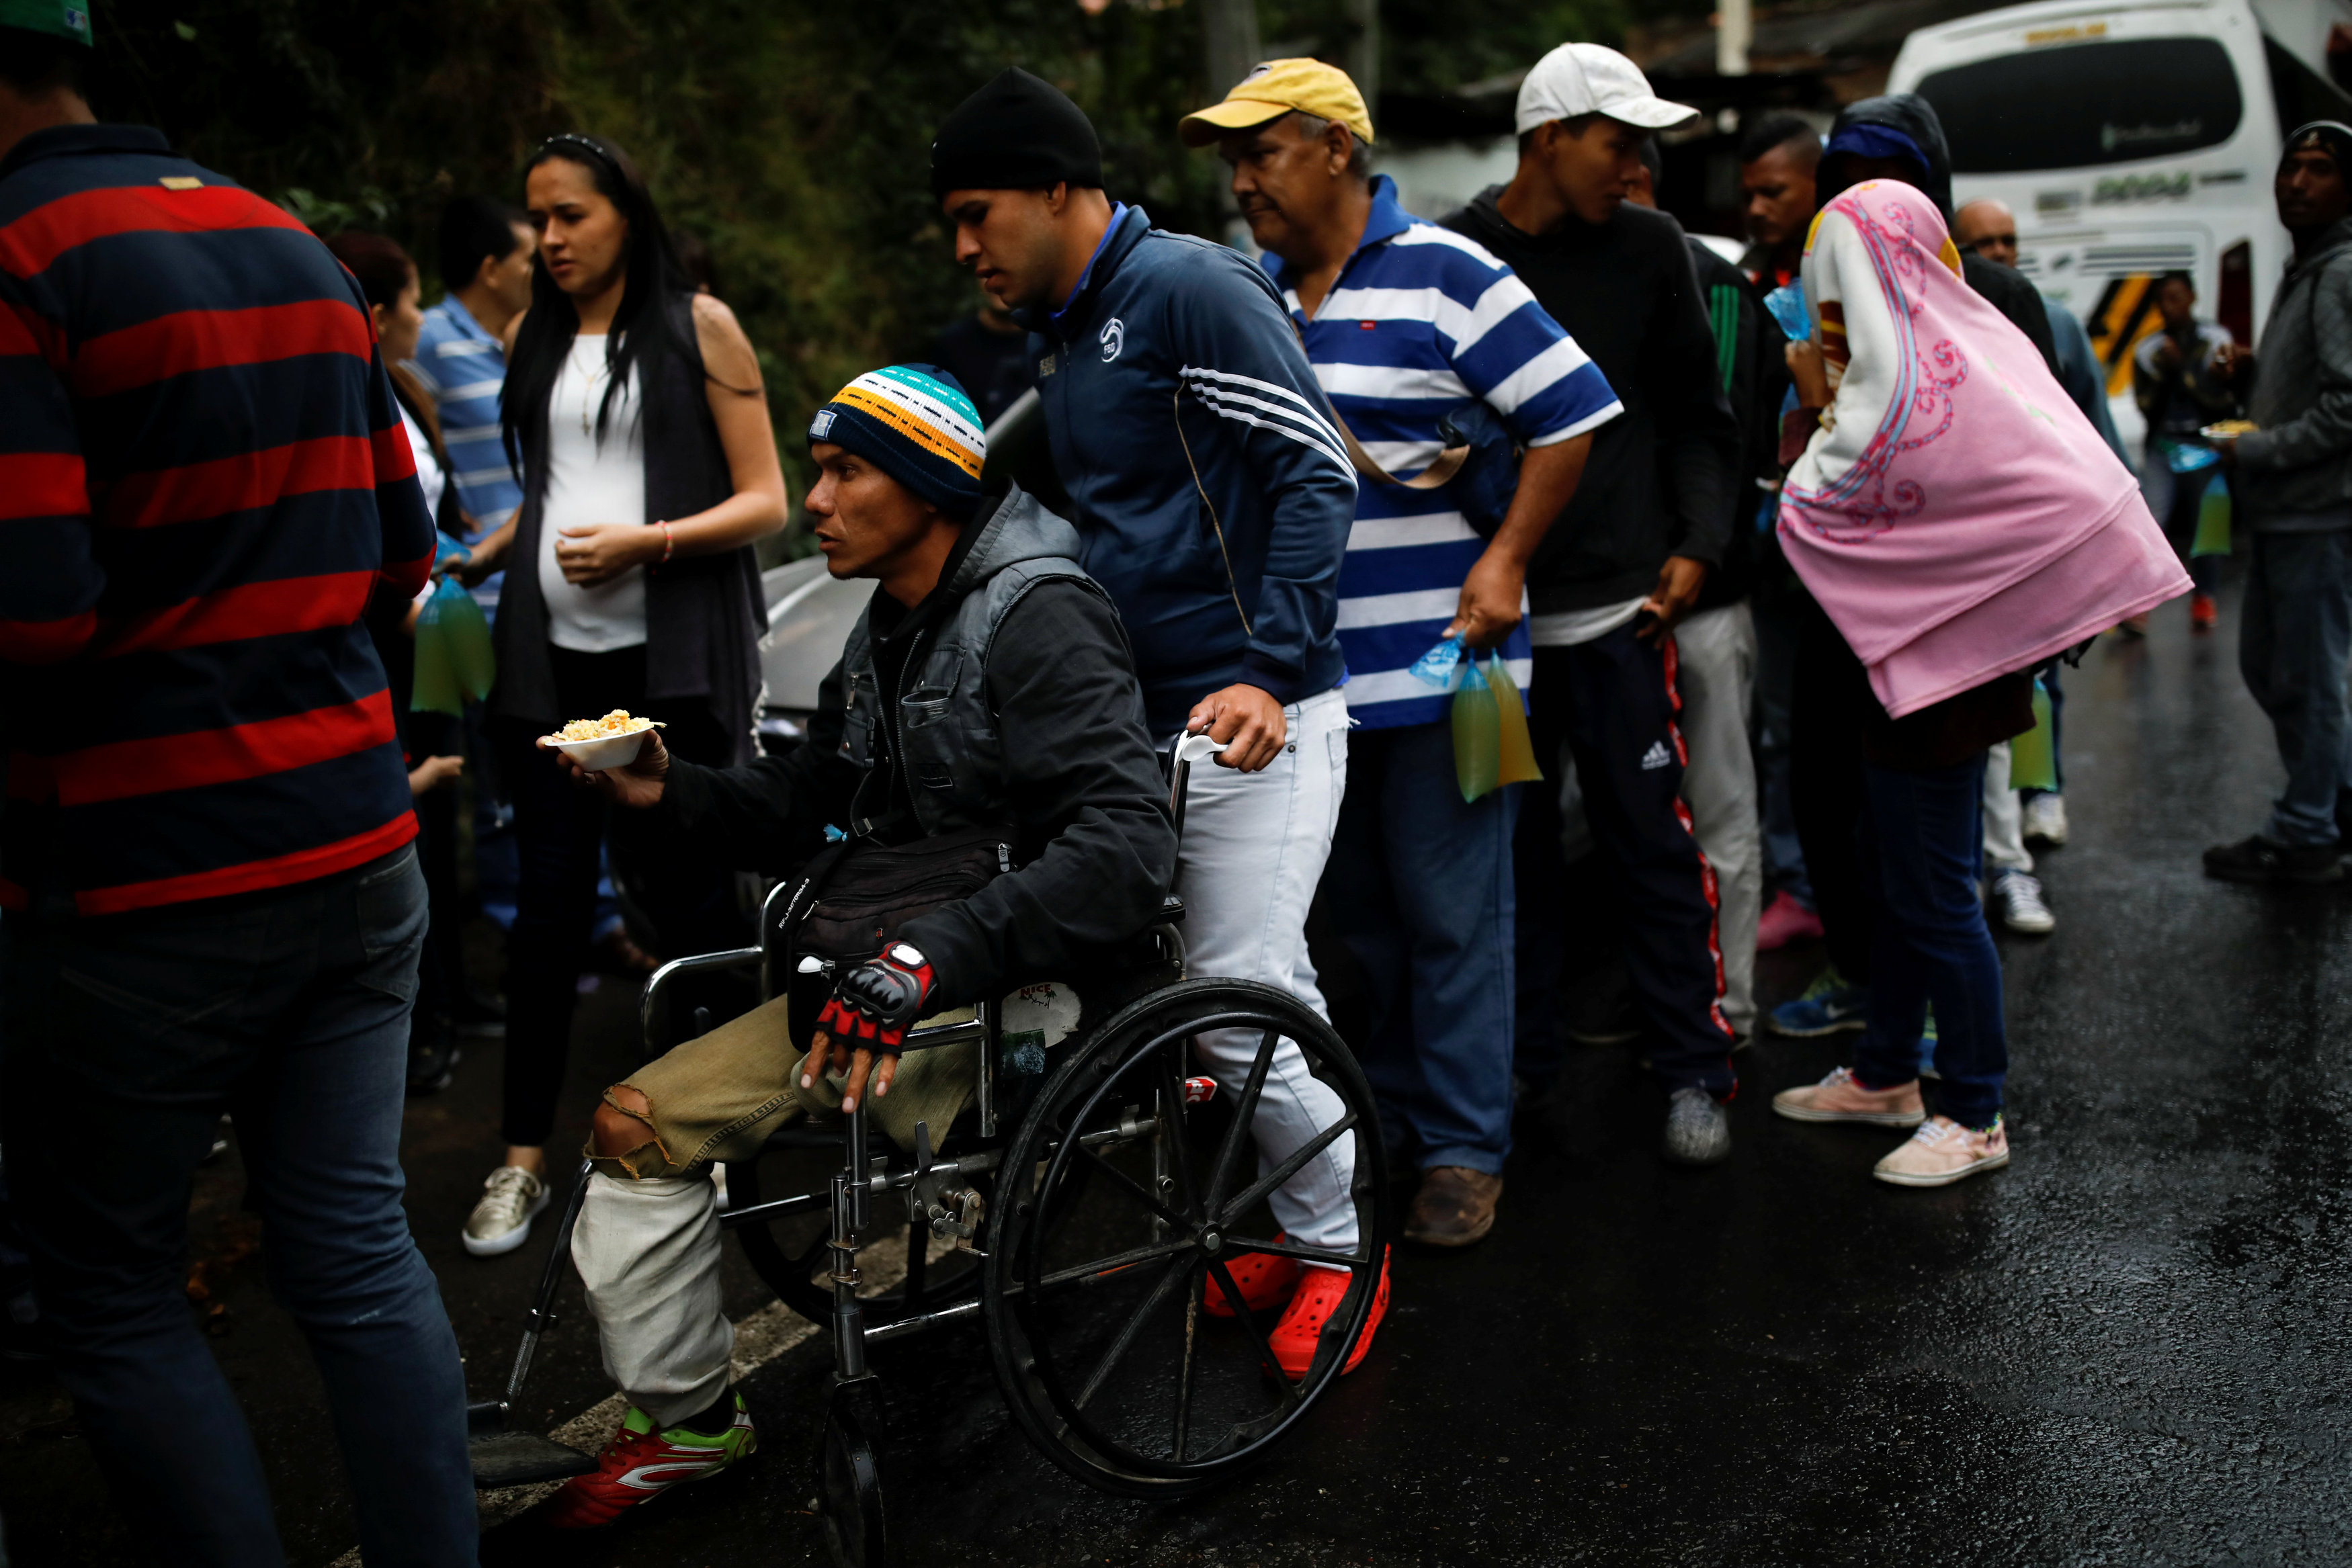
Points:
(1212, 492)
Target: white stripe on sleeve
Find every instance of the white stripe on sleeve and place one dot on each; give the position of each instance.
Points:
(1555, 364)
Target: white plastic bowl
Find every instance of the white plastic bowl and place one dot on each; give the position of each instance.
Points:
(604, 751)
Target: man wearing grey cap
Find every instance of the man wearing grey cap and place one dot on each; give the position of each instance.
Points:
(1626, 559)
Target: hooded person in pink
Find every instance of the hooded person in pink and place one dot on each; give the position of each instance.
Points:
(1956, 514)
(1959, 522)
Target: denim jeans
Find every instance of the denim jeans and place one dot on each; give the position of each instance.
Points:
(127, 1037)
(2293, 635)
(1923, 847)
(2175, 499)
(1418, 887)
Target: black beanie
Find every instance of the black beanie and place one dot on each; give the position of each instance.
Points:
(1017, 133)
(2322, 136)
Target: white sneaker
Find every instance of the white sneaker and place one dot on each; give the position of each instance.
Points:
(512, 1198)
(2021, 909)
(2046, 819)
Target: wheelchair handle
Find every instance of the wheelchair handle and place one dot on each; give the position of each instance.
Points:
(1188, 749)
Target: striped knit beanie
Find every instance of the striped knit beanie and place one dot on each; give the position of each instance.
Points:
(917, 424)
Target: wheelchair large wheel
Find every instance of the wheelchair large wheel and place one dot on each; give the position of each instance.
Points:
(1119, 1203)
(790, 1256)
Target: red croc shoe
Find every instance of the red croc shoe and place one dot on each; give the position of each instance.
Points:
(1266, 1280)
(1294, 1338)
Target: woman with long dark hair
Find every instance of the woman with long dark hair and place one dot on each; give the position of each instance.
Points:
(633, 409)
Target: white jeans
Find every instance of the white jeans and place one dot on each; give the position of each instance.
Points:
(648, 1253)
(2004, 817)
(1253, 849)
(1714, 672)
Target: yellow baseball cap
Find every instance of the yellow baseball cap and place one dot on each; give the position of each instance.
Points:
(1274, 89)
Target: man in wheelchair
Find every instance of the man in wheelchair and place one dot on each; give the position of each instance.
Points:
(987, 686)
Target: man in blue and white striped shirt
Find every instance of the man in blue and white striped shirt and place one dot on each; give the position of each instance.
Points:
(486, 255)
(1404, 324)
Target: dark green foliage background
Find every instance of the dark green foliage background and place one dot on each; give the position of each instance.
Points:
(792, 135)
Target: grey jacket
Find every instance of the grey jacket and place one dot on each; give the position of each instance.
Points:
(2294, 471)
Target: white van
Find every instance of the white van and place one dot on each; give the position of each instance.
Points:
(2131, 141)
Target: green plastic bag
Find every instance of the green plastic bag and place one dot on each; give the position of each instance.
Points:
(453, 652)
(1491, 747)
(2214, 520)
(2032, 756)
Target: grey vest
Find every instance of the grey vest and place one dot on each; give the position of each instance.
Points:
(943, 731)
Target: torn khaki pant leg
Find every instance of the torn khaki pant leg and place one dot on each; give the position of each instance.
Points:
(648, 1241)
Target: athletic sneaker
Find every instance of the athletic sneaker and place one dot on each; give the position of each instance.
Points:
(1839, 1098)
(2202, 613)
(1827, 1006)
(1943, 1152)
(1294, 1338)
(1698, 1129)
(2018, 893)
(2262, 859)
(2046, 819)
(1265, 1280)
(512, 1198)
(640, 1464)
(1784, 921)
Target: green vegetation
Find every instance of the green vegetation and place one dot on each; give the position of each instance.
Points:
(793, 137)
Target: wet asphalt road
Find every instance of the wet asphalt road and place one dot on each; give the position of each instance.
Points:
(2124, 1349)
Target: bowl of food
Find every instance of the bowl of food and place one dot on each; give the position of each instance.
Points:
(597, 744)
(2228, 429)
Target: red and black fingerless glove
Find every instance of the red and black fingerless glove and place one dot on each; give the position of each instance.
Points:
(872, 1004)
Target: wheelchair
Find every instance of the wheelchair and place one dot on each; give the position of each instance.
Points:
(1098, 1189)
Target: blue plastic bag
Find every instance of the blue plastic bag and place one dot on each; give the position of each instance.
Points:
(1786, 304)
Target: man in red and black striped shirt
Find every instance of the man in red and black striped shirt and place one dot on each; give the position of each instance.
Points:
(211, 900)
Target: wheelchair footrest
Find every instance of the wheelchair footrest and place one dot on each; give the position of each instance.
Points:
(519, 1459)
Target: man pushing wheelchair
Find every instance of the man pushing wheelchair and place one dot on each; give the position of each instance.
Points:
(988, 690)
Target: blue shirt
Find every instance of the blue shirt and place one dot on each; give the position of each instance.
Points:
(1423, 322)
(464, 367)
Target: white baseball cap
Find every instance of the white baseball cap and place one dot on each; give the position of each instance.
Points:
(1589, 78)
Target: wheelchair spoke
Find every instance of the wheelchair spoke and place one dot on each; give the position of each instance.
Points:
(1171, 1127)
(1135, 1189)
(1286, 1169)
(1329, 1260)
(1248, 1320)
(1229, 1156)
(1102, 1268)
(1175, 1273)
(1184, 1377)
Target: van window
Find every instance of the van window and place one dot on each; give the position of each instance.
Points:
(2085, 104)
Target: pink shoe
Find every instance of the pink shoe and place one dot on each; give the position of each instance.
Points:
(1841, 1098)
(1943, 1152)
(1784, 921)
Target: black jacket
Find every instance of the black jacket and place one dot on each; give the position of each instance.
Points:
(1658, 481)
(1753, 364)
(2004, 287)
(1092, 839)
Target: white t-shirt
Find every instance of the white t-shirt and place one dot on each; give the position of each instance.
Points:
(588, 484)
(428, 471)
(1566, 627)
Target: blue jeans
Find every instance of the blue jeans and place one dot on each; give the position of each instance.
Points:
(1923, 847)
(1418, 887)
(127, 1037)
(2293, 636)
